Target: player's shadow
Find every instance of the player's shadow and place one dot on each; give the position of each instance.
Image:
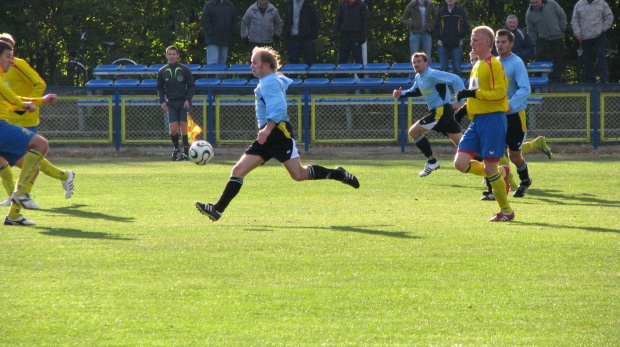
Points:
(564, 227)
(74, 210)
(79, 234)
(363, 230)
(553, 197)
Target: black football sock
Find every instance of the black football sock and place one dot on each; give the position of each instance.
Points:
(175, 140)
(320, 173)
(185, 144)
(524, 175)
(230, 191)
(424, 146)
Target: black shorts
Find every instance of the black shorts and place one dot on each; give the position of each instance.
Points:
(514, 134)
(176, 112)
(443, 123)
(279, 145)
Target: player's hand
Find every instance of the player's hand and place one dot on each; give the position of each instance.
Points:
(50, 99)
(263, 134)
(465, 93)
(30, 107)
(460, 113)
(397, 92)
(187, 105)
(164, 107)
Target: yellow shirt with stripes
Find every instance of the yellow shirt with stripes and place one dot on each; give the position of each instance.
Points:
(25, 81)
(489, 80)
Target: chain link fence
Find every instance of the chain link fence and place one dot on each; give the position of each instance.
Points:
(610, 116)
(338, 117)
(235, 120)
(143, 120)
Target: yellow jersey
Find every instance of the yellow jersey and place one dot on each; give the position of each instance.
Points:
(8, 97)
(24, 81)
(489, 80)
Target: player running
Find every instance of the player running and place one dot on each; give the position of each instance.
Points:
(274, 138)
(432, 85)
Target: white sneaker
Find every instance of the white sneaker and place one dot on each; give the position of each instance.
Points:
(428, 168)
(6, 202)
(67, 184)
(18, 221)
(25, 201)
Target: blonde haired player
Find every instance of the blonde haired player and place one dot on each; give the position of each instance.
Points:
(274, 138)
(487, 105)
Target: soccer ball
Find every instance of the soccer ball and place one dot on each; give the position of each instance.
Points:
(201, 152)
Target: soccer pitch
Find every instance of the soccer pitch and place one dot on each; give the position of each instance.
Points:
(129, 261)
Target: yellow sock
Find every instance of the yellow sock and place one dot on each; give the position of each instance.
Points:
(32, 160)
(531, 145)
(499, 190)
(476, 168)
(50, 170)
(7, 179)
(14, 211)
(504, 161)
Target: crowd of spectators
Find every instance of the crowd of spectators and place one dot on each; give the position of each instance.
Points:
(542, 40)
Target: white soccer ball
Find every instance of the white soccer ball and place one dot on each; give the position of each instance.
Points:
(201, 152)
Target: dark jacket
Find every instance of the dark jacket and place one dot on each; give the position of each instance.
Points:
(451, 27)
(352, 20)
(175, 82)
(309, 22)
(523, 47)
(219, 19)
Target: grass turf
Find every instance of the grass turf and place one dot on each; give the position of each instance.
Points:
(403, 260)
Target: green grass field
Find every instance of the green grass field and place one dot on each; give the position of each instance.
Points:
(404, 260)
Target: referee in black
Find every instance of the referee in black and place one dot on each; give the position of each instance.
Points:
(175, 87)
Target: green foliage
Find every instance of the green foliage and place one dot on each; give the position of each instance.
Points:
(48, 31)
(403, 260)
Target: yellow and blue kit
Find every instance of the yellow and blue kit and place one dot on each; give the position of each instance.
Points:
(24, 81)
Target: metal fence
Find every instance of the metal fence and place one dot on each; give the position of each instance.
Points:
(322, 116)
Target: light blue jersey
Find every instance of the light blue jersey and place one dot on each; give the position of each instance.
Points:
(433, 86)
(271, 99)
(518, 83)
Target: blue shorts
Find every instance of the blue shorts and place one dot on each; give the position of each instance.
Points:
(13, 141)
(486, 136)
(34, 129)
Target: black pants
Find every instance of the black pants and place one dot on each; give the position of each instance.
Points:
(350, 45)
(301, 47)
(552, 50)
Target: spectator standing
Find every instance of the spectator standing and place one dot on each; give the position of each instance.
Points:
(219, 17)
(546, 23)
(352, 26)
(301, 28)
(591, 19)
(261, 25)
(523, 46)
(418, 17)
(451, 27)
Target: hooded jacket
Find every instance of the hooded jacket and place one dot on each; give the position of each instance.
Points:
(547, 23)
(260, 27)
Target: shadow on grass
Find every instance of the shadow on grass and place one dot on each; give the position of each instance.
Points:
(563, 227)
(79, 234)
(74, 211)
(552, 197)
(347, 228)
